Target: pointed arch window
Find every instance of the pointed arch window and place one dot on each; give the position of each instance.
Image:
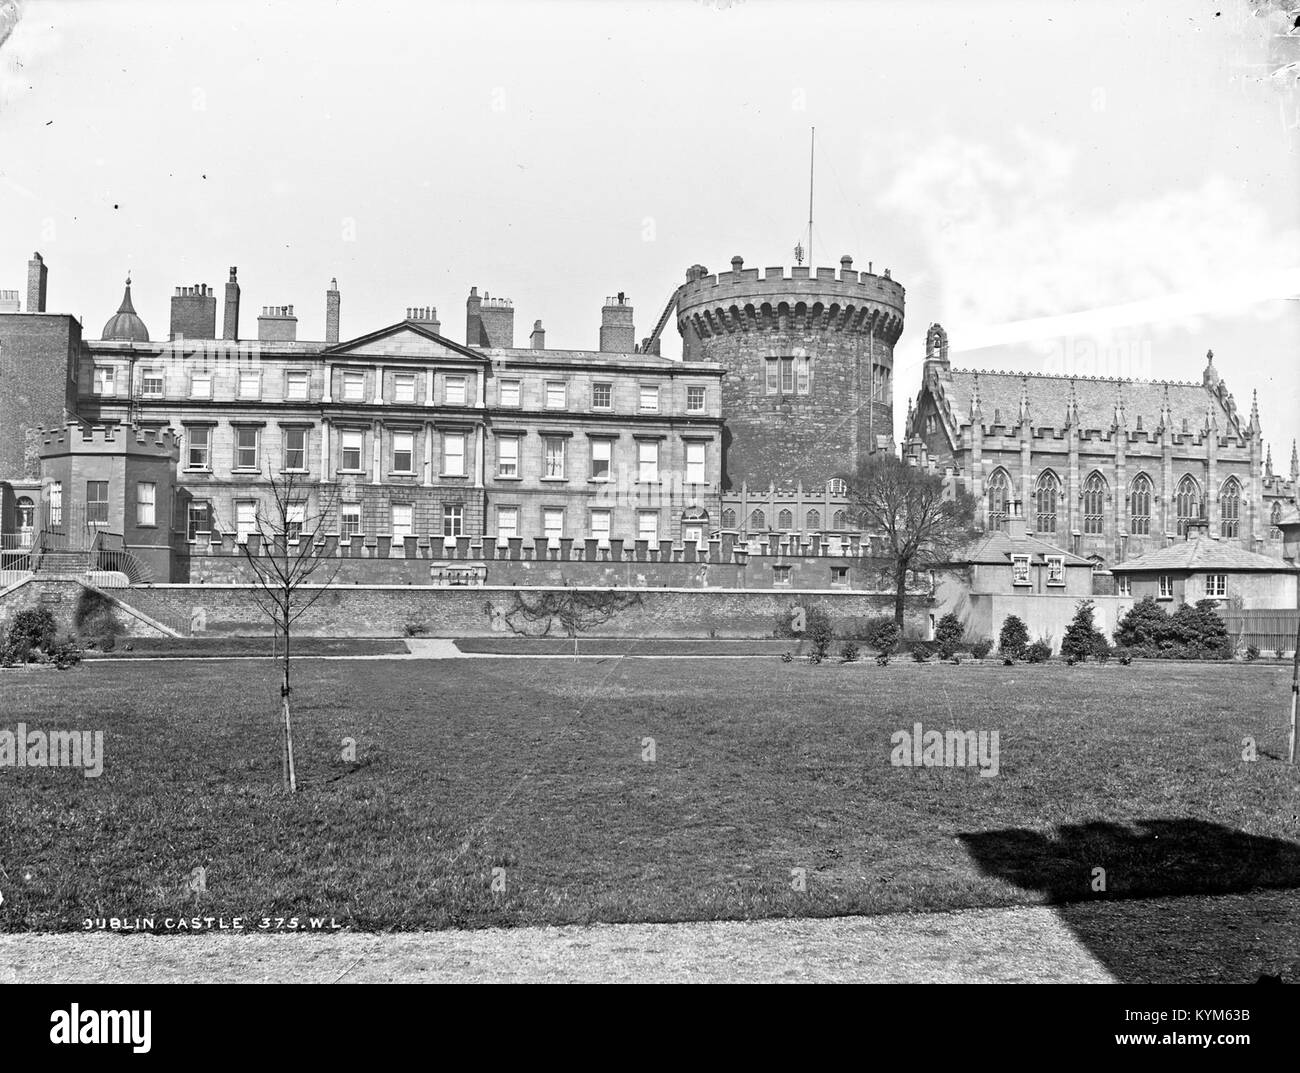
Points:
(1230, 508)
(1094, 504)
(1140, 506)
(999, 499)
(785, 520)
(728, 519)
(1275, 520)
(1046, 494)
(758, 520)
(1189, 503)
(840, 520)
(814, 519)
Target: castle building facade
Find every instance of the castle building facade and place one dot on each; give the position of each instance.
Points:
(1109, 469)
(409, 433)
(784, 385)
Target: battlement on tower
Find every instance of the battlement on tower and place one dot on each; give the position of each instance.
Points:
(843, 300)
(77, 438)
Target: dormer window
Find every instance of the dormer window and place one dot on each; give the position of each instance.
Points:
(1020, 570)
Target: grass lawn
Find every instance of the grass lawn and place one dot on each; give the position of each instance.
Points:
(615, 646)
(761, 767)
(178, 647)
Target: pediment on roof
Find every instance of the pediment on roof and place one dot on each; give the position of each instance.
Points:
(405, 340)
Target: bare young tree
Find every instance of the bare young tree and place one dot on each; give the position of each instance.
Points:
(922, 517)
(282, 553)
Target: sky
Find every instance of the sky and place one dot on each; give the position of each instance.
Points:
(1095, 188)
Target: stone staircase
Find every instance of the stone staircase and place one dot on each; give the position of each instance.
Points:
(63, 562)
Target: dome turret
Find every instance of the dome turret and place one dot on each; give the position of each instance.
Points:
(125, 325)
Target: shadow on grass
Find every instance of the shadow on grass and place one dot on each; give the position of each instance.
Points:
(1179, 933)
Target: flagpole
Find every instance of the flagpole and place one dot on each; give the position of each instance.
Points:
(812, 155)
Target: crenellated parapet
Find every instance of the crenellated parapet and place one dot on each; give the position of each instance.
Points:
(794, 299)
(78, 438)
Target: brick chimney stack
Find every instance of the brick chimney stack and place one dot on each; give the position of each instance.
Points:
(617, 333)
(473, 319)
(332, 301)
(37, 278)
(425, 317)
(497, 317)
(277, 324)
(538, 339)
(1017, 523)
(194, 312)
(230, 326)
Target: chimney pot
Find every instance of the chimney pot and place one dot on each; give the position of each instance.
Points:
(333, 300)
(37, 281)
(230, 323)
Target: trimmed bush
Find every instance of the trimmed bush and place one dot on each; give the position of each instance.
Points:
(1013, 640)
(849, 651)
(65, 654)
(1039, 652)
(981, 648)
(881, 633)
(948, 634)
(886, 638)
(819, 631)
(30, 635)
(1082, 639)
(1194, 631)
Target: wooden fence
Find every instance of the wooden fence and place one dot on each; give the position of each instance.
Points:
(1268, 630)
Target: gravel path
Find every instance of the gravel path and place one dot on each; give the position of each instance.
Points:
(996, 945)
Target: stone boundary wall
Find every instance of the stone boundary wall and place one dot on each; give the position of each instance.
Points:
(386, 611)
(724, 565)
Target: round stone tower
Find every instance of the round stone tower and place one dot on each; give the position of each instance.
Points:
(809, 358)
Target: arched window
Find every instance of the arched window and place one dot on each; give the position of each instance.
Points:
(1140, 506)
(837, 486)
(1230, 508)
(26, 520)
(814, 519)
(1046, 494)
(999, 493)
(1094, 504)
(1275, 520)
(1188, 503)
(728, 519)
(785, 520)
(840, 521)
(758, 520)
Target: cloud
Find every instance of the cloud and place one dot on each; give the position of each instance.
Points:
(1009, 241)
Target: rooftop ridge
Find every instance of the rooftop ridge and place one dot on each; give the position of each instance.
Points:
(1077, 376)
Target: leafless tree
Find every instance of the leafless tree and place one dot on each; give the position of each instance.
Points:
(922, 517)
(283, 557)
(574, 610)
